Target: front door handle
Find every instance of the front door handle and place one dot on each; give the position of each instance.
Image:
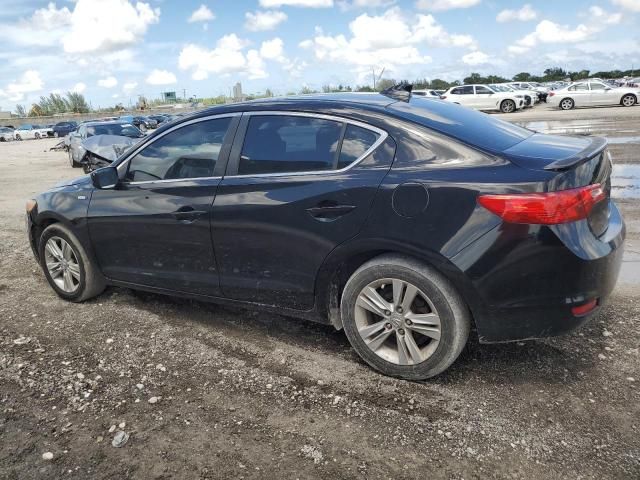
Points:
(187, 214)
(329, 212)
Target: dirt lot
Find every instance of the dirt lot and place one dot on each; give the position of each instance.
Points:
(205, 391)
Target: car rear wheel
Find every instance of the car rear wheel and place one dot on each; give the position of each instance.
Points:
(567, 104)
(67, 266)
(404, 318)
(507, 106)
(628, 100)
(37, 136)
(18, 137)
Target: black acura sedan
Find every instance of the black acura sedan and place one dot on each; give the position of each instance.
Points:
(404, 221)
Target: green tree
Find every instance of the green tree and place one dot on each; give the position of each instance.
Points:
(385, 83)
(76, 103)
(439, 84)
(522, 77)
(21, 111)
(554, 73)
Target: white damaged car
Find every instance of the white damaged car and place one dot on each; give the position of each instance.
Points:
(26, 131)
(483, 97)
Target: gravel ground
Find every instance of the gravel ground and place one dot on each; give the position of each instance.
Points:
(204, 391)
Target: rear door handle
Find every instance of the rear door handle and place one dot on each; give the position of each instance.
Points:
(329, 213)
(187, 214)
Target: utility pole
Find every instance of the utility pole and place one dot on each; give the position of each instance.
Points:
(375, 80)
(184, 93)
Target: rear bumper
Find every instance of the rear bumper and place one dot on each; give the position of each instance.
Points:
(524, 281)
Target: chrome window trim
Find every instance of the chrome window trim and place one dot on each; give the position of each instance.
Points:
(124, 164)
(383, 136)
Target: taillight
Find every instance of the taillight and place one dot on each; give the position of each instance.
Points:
(585, 308)
(549, 208)
(442, 97)
(551, 94)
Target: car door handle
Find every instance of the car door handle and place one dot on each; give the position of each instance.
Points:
(187, 214)
(329, 212)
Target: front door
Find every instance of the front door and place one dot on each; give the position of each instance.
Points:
(297, 186)
(153, 228)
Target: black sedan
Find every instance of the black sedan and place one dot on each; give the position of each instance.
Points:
(62, 129)
(404, 221)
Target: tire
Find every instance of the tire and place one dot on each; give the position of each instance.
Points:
(629, 100)
(567, 104)
(37, 136)
(441, 298)
(507, 106)
(55, 135)
(72, 162)
(89, 281)
(18, 137)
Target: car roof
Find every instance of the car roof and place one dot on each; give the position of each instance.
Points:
(106, 122)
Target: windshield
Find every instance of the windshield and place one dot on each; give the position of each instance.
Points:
(468, 126)
(122, 129)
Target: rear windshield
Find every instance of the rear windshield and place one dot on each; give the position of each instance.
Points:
(468, 126)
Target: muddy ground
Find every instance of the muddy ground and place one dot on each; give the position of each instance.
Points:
(205, 391)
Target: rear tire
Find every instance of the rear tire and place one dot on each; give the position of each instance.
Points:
(629, 100)
(567, 104)
(508, 106)
(37, 136)
(18, 137)
(436, 309)
(87, 284)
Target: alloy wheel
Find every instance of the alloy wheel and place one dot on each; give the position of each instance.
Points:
(628, 101)
(566, 104)
(508, 106)
(62, 264)
(397, 321)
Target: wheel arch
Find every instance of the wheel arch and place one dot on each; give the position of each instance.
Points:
(628, 94)
(343, 262)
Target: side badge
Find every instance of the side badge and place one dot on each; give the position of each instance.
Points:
(82, 197)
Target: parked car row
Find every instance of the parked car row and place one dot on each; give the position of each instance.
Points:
(591, 93)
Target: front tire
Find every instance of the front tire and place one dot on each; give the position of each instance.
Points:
(72, 162)
(404, 318)
(67, 266)
(18, 137)
(629, 100)
(37, 136)
(567, 104)
(508, 106)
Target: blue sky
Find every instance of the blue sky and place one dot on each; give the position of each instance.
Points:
(114, 50)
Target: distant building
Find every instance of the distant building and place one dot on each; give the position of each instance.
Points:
(238, 96)
(5, 114)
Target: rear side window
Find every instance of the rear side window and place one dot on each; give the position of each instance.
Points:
(188, 152)
(281, 143)
(473, 128)
(356, 142)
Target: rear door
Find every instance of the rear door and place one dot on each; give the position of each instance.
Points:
(602, 94)
(297, 185)
(484, 98)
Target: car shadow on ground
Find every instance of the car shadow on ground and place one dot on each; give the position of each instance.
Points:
(545, 361)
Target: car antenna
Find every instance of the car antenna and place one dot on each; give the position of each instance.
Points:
(401, 91)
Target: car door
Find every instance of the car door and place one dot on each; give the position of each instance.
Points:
(297, 185)
(484, 98)
(601, 94)
(580, 94)
(153, 229)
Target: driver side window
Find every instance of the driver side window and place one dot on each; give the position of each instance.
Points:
(188, 152)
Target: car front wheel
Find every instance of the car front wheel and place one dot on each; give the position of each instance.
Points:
(404, 318)
(72, 162)
(67, 266)
(508, 106)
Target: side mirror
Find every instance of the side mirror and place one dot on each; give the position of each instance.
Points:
(105, 178)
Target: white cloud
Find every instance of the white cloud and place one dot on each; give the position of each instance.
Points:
(30, 81)
(603, 17)
(633, 5)
(161, 77)
(398, 46)
(271, 49)
(79, 87)
(129, 87)
(296, 3)
(201, 14)
(439, 5)
(264, 20)
(108, 82)
(106, 25)
(525, 14)
(475, 58)
(227, 57)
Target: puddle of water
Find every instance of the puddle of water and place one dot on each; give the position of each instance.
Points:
(623, 140)
(625, 181)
